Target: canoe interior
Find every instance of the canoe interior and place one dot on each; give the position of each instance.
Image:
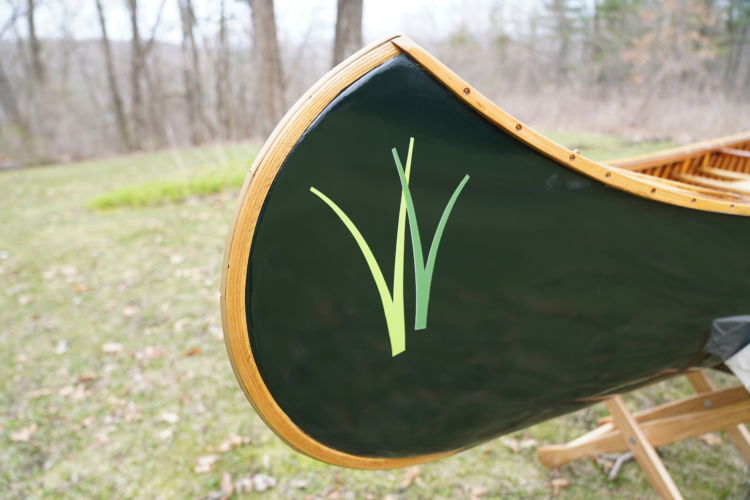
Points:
(718, 168)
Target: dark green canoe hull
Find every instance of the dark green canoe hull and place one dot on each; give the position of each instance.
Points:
(548, 288)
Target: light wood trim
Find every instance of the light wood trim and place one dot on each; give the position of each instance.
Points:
(740, 153)
(738, 435)
(252, 196)
(680, 153)
(607, 174)
(643, 451)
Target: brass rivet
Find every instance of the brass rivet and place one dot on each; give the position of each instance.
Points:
(519, 126)
(731, 206)
(653, 190)
(632, 440)
(467, 91)
(572, 157)
(608, 174)
(693, 200)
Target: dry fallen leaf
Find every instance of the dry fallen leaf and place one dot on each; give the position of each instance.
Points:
(39, 393)
(299, 484)
(193, 351)
(23, 434)
(233, 441)
(169, 417)
(527, 442)
(149, 353)
(227, 487)
(205, 463)
(558, 484)
(261, 482)
(77, 392)
(87, 377)
(711, 439)
(410, 477)
(166, 434)
(244, 485)
(130, 310)
(477, 493)
(111, 348)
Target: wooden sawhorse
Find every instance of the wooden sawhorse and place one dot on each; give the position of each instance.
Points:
(707, 411)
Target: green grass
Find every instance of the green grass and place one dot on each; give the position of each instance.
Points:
(603, 147)
(147, 278)
(158, 192)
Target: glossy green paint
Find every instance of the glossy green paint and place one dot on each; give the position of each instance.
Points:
(550, 286)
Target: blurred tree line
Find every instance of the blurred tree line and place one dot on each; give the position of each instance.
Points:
(232, 79)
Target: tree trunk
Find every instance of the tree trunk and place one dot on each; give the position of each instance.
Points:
(36, 48)
(117, 106)
(348, 29)
(136, 76)
(190, 72)
(222, 68)
(9, 105)
(270, 74)
(562, 28)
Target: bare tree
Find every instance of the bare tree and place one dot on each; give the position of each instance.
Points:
(348, 37)
(117, 106)
(35, 46)
(223, 109)
(270, 73)
(192, 74)
(137, 62)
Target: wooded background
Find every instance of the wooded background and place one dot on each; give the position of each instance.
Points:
(639, 68)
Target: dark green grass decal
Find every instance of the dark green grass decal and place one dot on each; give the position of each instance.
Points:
(393, 302)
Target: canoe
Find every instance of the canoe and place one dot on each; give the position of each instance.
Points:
(412, 271)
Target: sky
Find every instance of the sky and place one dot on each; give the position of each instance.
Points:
(297, 20)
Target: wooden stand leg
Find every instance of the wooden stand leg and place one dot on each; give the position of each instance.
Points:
(738, 435)
(642, 450)
(706, 411)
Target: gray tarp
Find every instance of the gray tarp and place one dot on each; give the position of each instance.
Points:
(728, 336)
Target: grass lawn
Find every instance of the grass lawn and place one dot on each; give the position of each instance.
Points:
(114, 380)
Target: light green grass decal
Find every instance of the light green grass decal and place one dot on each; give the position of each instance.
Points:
(393, 302)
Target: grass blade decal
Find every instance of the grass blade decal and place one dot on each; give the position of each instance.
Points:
(393, 306)
(423, 273)
(398, 261)
(393, 301)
